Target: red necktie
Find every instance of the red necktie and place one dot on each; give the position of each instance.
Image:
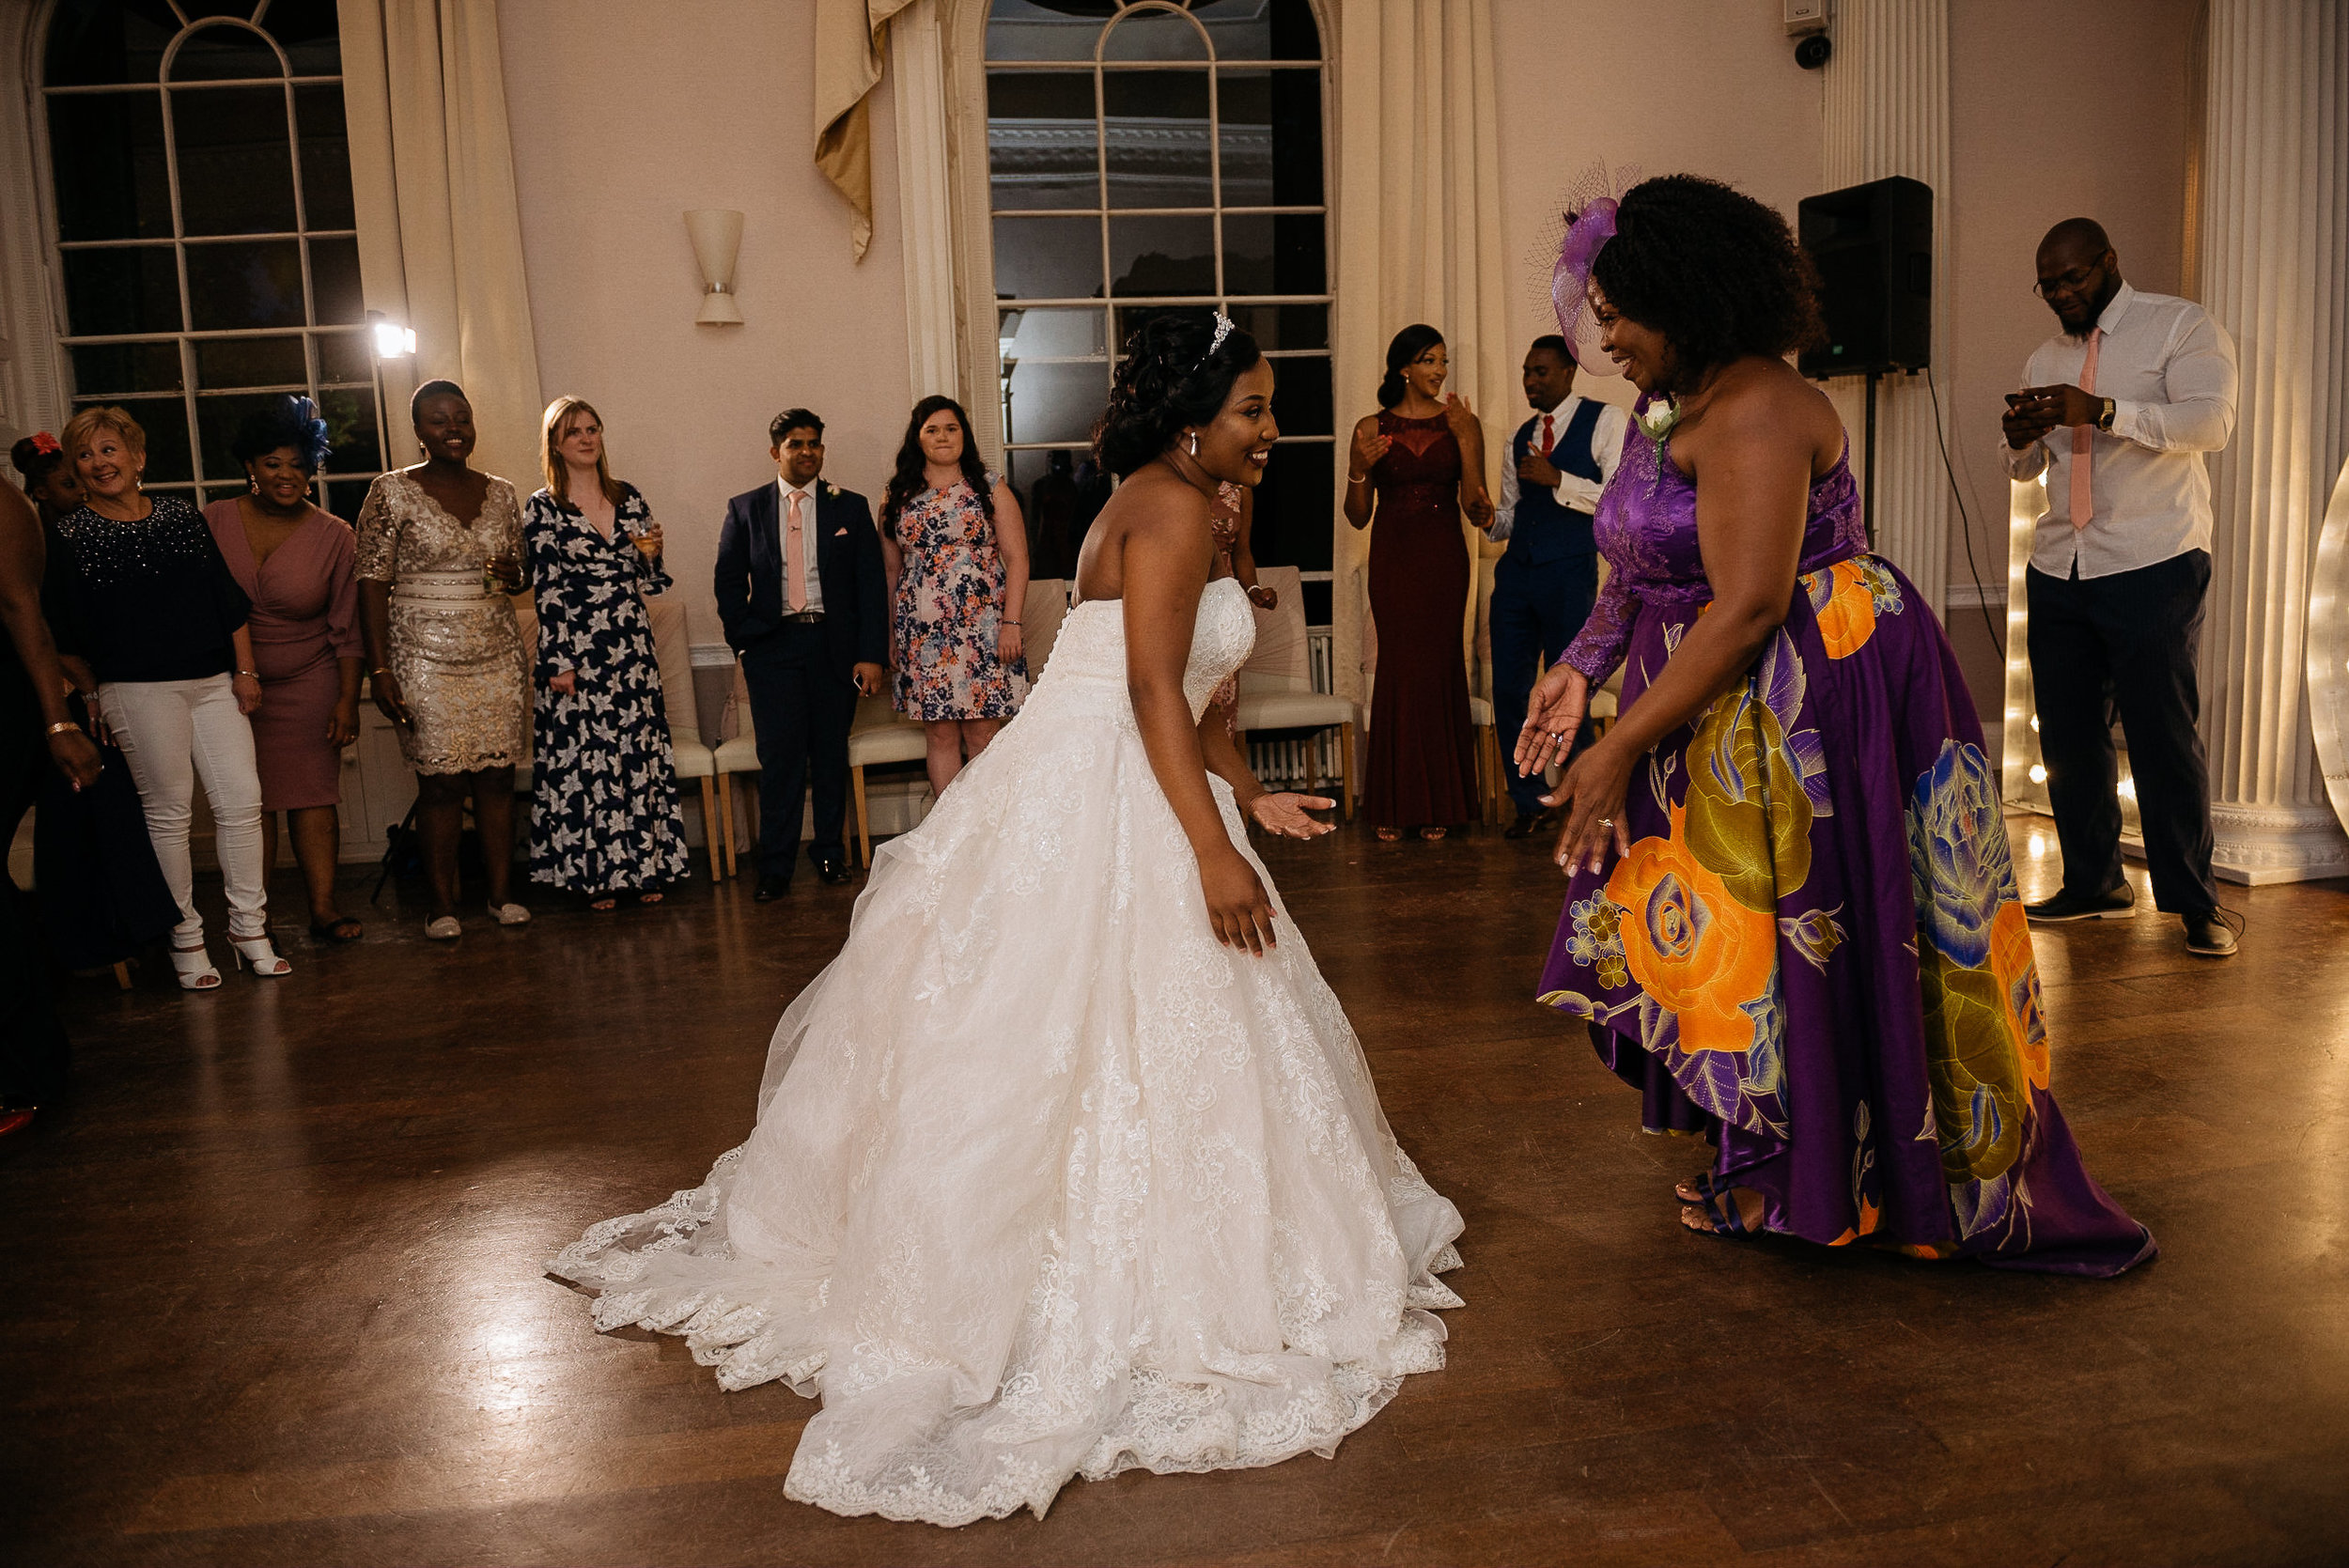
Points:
(1546, 436)
(795, 560)
(2083, 438)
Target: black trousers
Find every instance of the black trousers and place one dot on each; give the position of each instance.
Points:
(2125, 642)
(33, 1057)
(1536, 612)
(802, 705)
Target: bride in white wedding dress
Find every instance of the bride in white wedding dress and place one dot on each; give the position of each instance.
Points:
(1069, 1162)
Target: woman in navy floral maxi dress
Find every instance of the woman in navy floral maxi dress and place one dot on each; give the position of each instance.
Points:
(604, 819)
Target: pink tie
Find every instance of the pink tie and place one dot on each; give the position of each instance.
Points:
(1546, 439)
(795, 558)
(2083, 436)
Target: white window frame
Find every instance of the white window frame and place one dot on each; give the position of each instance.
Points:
(968, 67)
(199, 486)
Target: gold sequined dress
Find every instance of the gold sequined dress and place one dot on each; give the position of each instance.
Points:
(456, 650)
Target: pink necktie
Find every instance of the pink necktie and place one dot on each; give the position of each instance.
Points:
(1545, 438)
(795, 558)
(2083, 436)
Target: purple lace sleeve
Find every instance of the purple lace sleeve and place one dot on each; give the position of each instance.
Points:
(1599, 646)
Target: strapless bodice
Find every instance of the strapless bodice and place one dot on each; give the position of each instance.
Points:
(1092, 645)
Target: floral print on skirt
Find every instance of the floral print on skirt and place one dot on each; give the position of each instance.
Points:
(949, 612)
(1814, 952)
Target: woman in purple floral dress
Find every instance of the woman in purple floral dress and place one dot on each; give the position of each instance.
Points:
(957, 553)
(1793, 923)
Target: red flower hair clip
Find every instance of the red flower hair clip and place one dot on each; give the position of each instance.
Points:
(45, 443)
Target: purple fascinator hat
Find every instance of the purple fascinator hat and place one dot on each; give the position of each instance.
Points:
(1589, 214)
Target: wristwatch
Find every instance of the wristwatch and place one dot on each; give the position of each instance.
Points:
(2104, 420)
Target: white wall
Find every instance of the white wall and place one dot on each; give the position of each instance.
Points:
(2035, 139)
(624, 115)
(1669, 87)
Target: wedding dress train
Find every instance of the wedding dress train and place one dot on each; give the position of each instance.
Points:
(1045, 1181)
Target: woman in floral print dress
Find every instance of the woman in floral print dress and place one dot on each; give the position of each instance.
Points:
(604, 820)
(1792, 924)
(956, 553)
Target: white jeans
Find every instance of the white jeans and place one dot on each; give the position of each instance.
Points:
(172, 733)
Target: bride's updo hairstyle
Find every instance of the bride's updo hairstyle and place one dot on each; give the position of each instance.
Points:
(1169, 380)
(1713, 270)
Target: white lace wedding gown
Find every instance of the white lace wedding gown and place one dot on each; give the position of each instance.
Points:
(1045, 1182)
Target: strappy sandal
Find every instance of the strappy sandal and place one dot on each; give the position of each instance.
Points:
(193, 968)
(1697, 1190)
(1728, 1219)
(1389, 835)
(1433, 835)
(650, 897)
(603, 903)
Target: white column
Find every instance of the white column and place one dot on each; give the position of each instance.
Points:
(1888, 113)
(917, 61)
(2274, 258)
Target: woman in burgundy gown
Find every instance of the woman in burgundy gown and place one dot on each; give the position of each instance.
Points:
(1422, 459)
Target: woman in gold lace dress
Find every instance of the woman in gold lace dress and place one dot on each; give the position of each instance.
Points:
(440, 549)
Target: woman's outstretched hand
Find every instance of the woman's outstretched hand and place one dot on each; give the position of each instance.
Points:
(1282, 812)
(1593, 795)
(1552, 716)
(1238, 907)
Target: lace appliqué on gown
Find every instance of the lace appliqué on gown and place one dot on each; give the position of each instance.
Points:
(1047, 1183)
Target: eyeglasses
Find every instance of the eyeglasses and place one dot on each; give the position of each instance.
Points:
(2066, 283)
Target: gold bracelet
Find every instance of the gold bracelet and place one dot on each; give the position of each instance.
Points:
(65, 726)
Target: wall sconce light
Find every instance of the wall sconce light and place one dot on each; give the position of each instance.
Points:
(717, 235)
(392, 340)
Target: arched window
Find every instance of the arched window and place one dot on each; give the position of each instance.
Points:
(201, 179)
(1153, 156)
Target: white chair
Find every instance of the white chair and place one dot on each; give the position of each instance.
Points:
(881, 735)
(672, 651)
(734, 753)
(1492, 784)
(1276, 685)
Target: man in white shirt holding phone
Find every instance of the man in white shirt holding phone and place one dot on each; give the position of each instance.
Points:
(2118, 410)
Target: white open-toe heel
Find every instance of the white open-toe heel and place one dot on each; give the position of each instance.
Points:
(194, 966)
(257, 954)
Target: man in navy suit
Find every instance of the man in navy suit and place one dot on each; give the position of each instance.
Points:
(805, 602)
(1543, 587)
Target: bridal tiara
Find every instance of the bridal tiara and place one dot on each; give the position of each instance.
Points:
(1222, 330)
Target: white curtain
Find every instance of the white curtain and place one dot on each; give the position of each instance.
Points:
(1417, 238)
(440, 233)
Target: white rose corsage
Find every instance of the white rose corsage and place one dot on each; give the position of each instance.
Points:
(1656, 417)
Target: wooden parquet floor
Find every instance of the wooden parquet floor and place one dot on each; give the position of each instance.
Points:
(272, 1290)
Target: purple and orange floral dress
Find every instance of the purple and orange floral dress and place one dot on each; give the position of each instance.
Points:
(1815, 953)
(949, 612)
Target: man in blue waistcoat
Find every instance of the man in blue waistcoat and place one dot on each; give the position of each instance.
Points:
(1544, 586)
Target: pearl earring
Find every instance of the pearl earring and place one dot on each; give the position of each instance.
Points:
(1194, 443)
